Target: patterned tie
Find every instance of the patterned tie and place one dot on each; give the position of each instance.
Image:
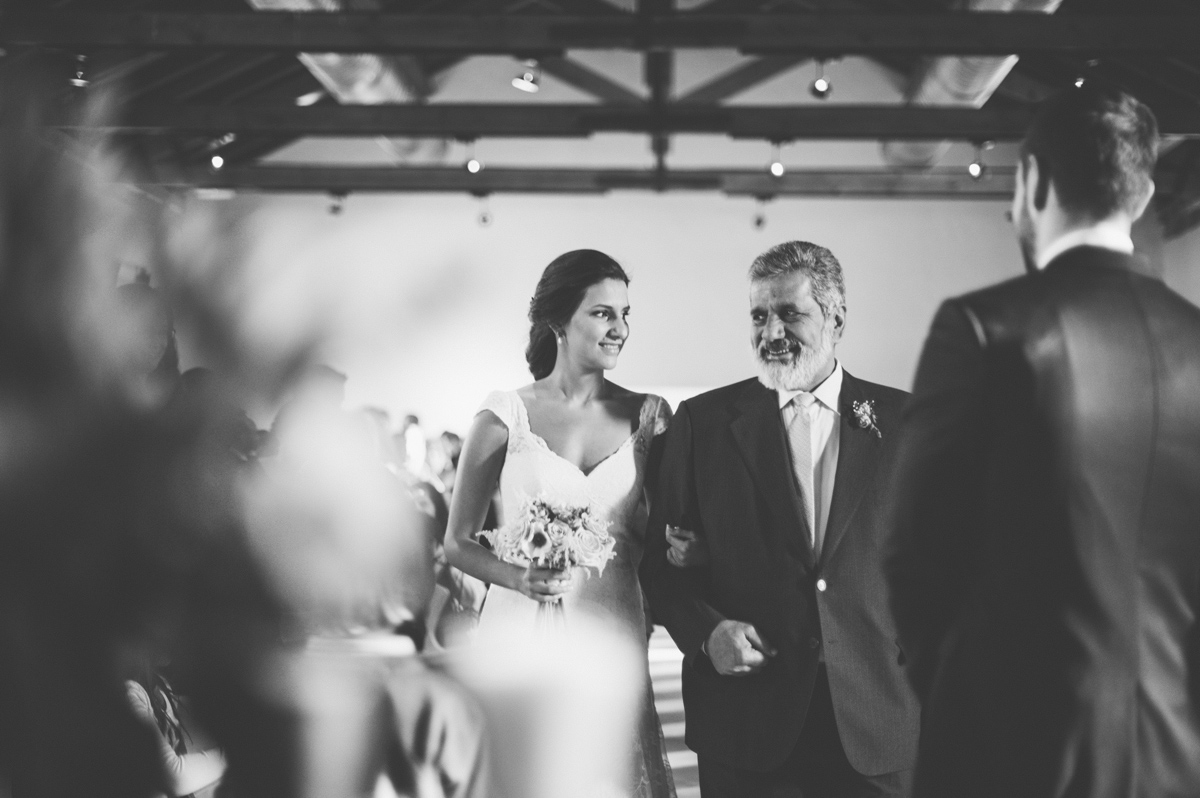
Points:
(800, 438)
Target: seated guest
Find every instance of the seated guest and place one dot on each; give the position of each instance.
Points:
(155, 702)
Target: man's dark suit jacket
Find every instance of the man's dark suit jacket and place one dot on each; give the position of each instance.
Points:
(1047, 572)
(726, 473)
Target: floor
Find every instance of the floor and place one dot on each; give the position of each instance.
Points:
(665, 661)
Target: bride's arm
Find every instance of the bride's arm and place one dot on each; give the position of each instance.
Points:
(479, 469)
(478, 472)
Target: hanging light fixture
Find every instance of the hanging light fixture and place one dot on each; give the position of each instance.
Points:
(977, 169)
(79, 81)
(776, 167)
(312, 98)
(530, 78)
(472, 164)
(337, 202)
(820, 87)
(1088, 71)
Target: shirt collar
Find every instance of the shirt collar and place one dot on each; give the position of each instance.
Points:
(1103, 235)
(827, 393)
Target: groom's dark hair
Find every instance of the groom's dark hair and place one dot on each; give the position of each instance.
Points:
(558, 295)
(1097, 145)
(828, 285)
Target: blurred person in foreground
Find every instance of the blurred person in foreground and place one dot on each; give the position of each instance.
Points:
(111, 539)
(355, 558)
(146, 329)
(792, 675)
(1045, 572)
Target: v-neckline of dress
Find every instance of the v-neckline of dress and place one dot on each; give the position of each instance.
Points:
(524, 415)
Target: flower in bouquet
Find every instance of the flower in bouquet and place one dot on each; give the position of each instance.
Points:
(536, 544)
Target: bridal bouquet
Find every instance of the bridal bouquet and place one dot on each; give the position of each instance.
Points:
(550, 535)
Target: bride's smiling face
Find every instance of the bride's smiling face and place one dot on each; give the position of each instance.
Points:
(595, 334)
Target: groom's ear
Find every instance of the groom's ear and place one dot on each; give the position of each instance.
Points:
(1038, 178)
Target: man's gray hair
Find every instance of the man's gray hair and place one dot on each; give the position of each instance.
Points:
(828, 287)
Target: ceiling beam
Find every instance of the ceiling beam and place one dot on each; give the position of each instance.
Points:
(825, 34)
(740, 78)
(585, 79)
(945, 183)
(773, 123)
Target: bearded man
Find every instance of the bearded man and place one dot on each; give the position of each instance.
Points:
(793, 679)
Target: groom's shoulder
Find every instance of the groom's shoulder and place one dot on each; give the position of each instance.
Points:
(999, 298)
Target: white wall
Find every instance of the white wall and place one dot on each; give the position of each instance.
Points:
(430, 306)
(1181, 257)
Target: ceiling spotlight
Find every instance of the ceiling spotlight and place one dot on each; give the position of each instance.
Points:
(485, 212)
(821, 87)
(473, 164)
(79, 81)
(1079, 81)
(776, 167)
(312, 98)
(977, 168)
(337, 202)
(530, 78)
(217, 161)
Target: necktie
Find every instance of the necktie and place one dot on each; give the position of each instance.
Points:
(800, 439)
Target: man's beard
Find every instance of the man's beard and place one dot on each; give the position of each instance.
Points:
(801, 371)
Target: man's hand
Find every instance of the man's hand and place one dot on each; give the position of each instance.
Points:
(687, 548)
(737, 649)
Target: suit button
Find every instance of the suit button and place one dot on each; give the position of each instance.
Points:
(813, 642)
(821, 585)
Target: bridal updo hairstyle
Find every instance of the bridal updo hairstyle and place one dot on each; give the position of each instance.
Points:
(558, 295)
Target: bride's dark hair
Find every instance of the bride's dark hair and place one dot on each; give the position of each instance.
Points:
(558, 295)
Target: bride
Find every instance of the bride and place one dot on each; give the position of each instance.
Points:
(576, 437)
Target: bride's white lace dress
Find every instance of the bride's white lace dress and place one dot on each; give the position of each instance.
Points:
(613, 489)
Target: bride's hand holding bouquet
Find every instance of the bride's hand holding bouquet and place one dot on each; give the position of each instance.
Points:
(544, 584)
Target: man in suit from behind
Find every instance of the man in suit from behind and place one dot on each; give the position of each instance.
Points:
(792, 679)
(1048, 523)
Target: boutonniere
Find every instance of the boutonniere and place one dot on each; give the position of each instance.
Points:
(864, 416)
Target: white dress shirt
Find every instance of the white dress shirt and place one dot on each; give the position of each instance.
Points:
(824, 420)
(1105, 236)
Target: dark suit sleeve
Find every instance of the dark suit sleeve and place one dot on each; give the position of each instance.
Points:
(675, 593)
(932, 556)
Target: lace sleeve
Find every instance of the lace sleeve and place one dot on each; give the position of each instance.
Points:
(662, 416)
(654, 419)
(499, 403)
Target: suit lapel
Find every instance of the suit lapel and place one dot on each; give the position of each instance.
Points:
(858, 454)
(761, 441)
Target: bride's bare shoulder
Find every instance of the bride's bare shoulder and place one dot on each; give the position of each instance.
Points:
(629, 401)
